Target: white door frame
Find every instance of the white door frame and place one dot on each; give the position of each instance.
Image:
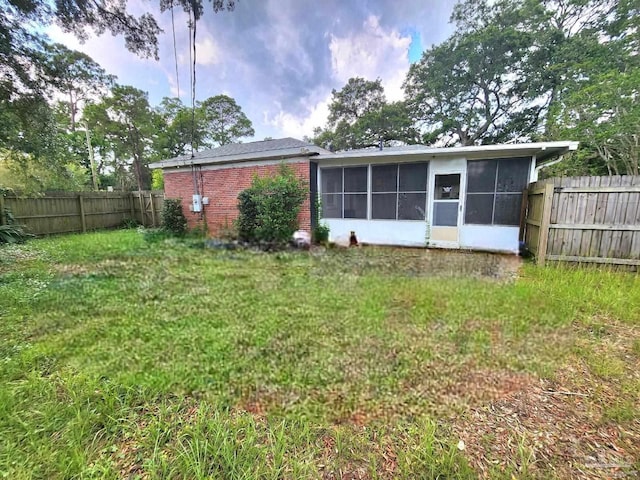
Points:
(444, 170)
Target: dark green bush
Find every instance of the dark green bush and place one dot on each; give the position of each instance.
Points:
(173, 220)
(12, 232)
(321, 233)
(269, 208)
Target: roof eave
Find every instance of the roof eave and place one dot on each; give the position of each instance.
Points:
(241, 158)
(541, 150)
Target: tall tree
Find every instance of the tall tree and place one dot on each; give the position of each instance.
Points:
(127, 120)
(223, 121)
(360, 117)
(357, 98)
(177, 128)
(471, 89)
(76, 76)
(23, 21)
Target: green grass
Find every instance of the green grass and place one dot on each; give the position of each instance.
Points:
(124, 358)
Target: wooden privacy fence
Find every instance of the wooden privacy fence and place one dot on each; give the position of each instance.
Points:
(584, 219)
(79, 212)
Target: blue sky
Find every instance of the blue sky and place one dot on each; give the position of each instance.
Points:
(279, 59)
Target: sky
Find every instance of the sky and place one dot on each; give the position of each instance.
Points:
(279, 59)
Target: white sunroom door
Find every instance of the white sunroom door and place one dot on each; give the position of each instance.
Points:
(445, 214)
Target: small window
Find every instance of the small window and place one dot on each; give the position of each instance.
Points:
(494, 190)
(355, 179)
(344, 192)
(507, 209)
(355, 205)
(481, 175)
(412, 177)
(412, 206)
(447, 187)
(479, 208)
(513, 175)
(331, 180)
(445, 214)
(383, 206)
(332, 205)
(384, 178)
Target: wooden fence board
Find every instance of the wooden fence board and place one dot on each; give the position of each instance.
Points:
(64, 213)
(590, 218)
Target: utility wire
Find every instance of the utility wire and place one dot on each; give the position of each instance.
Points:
(193, 86)
(175, 49)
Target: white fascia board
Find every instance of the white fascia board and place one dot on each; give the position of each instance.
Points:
(239, 158)
(470, 152)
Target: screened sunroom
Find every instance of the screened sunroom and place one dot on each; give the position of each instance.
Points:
(465, 197)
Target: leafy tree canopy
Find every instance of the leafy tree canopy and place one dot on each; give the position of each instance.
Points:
(223, 121)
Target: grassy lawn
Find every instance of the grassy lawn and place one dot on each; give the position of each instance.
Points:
(125, 359)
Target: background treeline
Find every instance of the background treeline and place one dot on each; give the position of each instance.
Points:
(513, 70)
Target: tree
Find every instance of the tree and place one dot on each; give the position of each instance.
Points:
(23, 21)
(360, 117)
(223, 121)
(127, 121)
(177, 129)
(604, 115)
(75, 75)
(507, 71)
(471, 88)
(356, 99)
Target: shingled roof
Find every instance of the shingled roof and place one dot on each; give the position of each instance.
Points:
(244, 152)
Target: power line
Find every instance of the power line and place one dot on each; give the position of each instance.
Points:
(175, 50)
(193, 85)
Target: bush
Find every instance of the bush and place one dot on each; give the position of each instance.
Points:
(154, 235)
(12, 232)
(321, 233)
(173, 220)
(269, 208)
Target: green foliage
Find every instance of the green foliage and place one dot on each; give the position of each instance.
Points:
(176, 129)
(183, 363)
(154, 235)
(321, 233)
(127, 121)
(269, 208)
(223, 121)
(518, 70)
(11, 232)
(157, 179)
(173, 219)
(471, 88)
(360, 117)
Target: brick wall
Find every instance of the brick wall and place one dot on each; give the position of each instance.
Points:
(222, 186)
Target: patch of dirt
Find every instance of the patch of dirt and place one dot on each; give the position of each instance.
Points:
(74, 269)
(549, 427)
(420, 262)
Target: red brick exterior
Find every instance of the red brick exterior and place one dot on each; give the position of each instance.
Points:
(222, 186)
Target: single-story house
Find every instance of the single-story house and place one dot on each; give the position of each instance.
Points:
(460, 197)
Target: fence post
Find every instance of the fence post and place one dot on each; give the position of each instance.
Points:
(523, 213)
(132, 206)
(543, 240)
(83, 220)
(3, 220)
(153, 209)
(142, 209)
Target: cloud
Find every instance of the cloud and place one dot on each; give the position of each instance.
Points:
(279, 59)
(292, 125)
(371, 53)
(207, 52)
